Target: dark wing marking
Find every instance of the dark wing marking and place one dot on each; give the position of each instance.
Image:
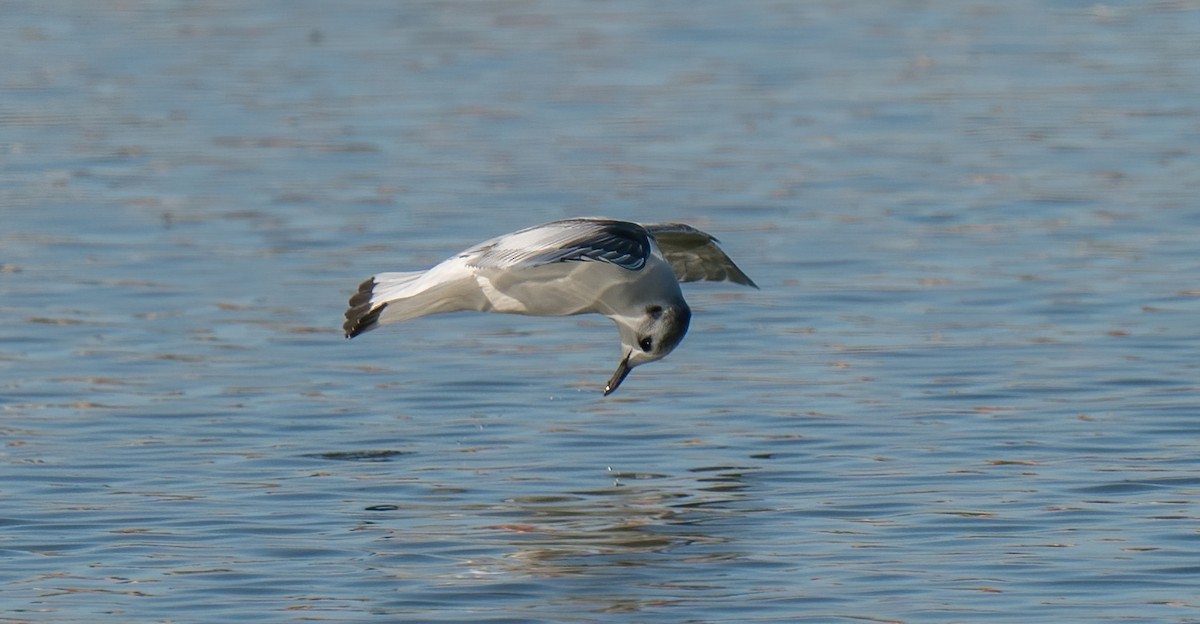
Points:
(694, 255)
(360, 317)
(622, 243)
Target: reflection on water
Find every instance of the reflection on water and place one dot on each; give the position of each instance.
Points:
(631, 529)
(966, 391)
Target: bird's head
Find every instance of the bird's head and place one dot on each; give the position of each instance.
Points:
(648, 337)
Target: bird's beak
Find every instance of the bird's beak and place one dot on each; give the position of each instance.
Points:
(622, 372)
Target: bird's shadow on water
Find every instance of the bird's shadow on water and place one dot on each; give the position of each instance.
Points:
(370, 455)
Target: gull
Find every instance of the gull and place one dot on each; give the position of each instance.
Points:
(623, 270)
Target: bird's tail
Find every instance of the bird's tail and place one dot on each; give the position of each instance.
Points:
(373, 297)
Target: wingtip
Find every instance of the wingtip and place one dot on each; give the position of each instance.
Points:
(362, 319)
(361, 316)
(738, 276)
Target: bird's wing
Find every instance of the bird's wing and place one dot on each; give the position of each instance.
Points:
(622, 243)
(694, 255)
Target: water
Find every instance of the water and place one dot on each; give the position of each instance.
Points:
(967, 391)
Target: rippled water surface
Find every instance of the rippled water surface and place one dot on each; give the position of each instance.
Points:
(967, 391)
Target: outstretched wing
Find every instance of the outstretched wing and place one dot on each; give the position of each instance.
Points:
(694, 255)
(622, 243)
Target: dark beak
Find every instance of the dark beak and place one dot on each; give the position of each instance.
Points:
(622, 372)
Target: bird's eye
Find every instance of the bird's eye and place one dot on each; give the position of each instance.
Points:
(646, 344)
(654, 311)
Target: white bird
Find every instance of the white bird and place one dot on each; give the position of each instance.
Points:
(623, 270)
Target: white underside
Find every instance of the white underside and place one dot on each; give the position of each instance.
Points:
(555, 289)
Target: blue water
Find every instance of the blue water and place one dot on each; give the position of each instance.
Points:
(967, 391)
